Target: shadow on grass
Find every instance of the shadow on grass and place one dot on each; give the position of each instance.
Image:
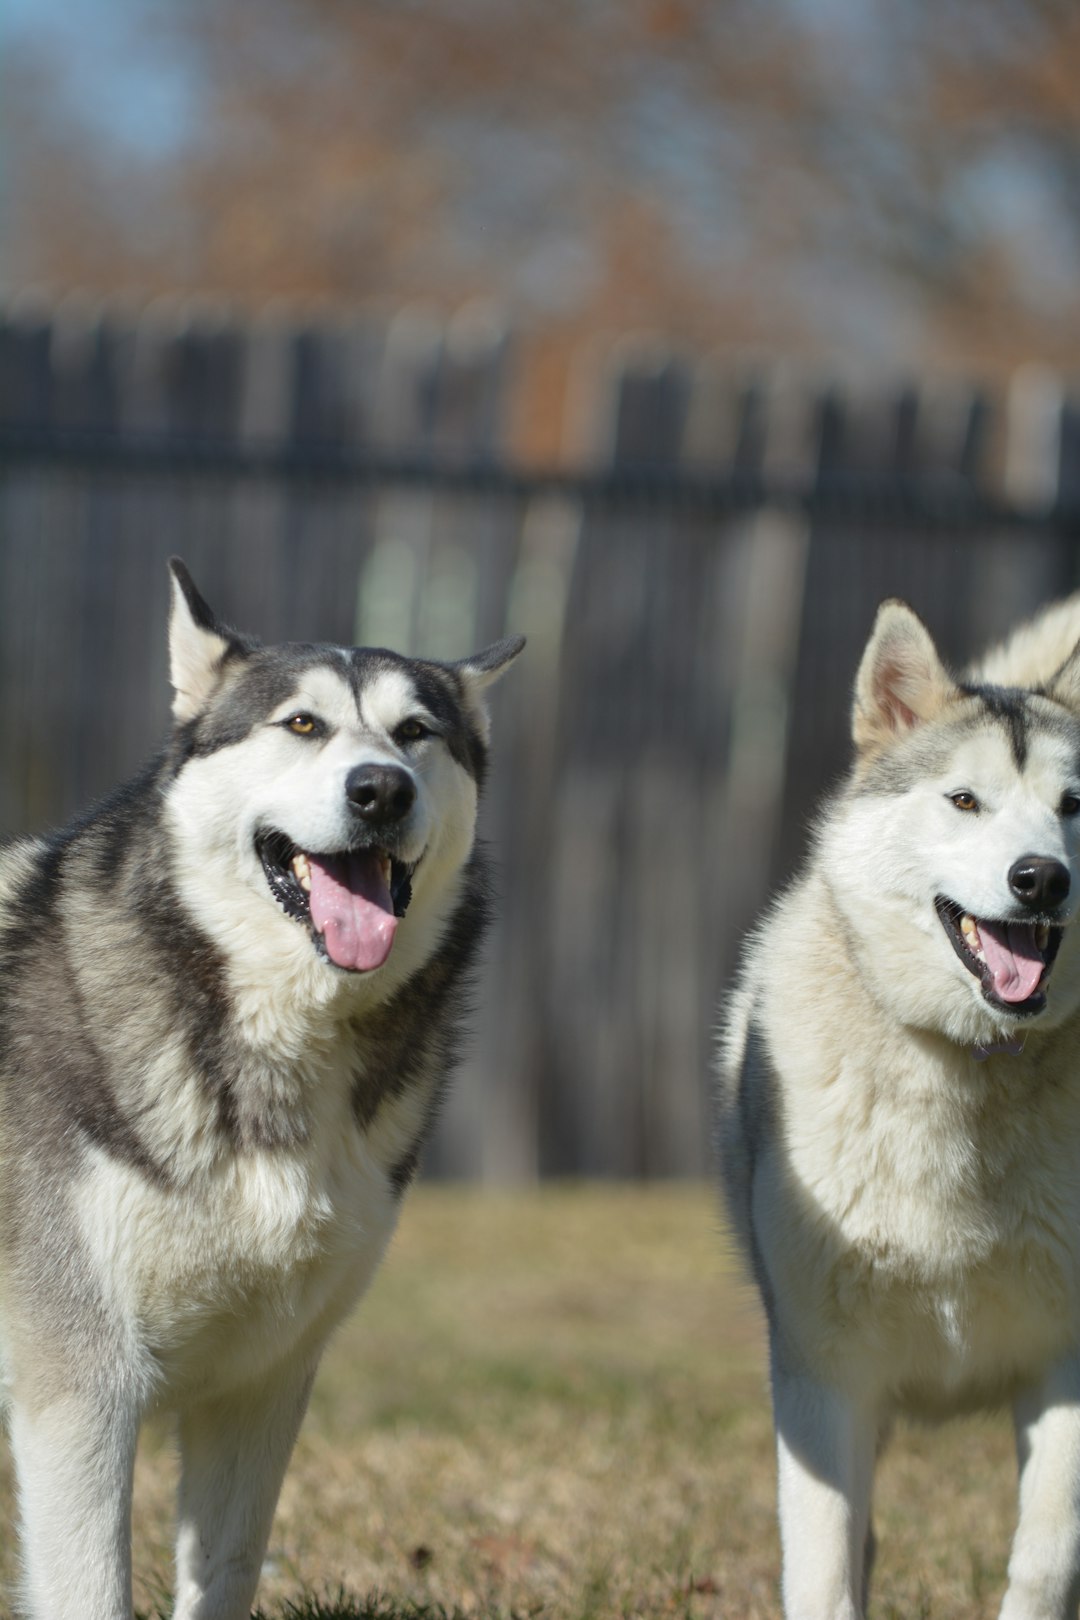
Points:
(375, 1606)
(343, 1606)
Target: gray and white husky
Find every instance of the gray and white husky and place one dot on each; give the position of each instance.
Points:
(900, 1105)
(228, 1001)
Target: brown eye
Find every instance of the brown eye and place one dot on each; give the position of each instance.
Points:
(302, 724)
(1070, 804)
(964, 800)
(411, 731)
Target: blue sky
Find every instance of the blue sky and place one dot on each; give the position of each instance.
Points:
(113, 74)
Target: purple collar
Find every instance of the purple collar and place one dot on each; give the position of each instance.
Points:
(1013, 1047)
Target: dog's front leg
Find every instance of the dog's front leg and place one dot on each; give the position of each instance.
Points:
(1044, 1569)
(74, 1459)
(233, 1455)
(826, 1444)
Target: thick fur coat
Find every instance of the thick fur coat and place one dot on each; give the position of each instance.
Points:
(899, 1105)
(228, 1002)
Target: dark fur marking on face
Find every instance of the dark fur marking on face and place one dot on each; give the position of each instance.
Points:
(413, 1040)
(1009, 707)
(439, 690)
(263, 682)
(265, 677)
(442, 692)
(925, 751)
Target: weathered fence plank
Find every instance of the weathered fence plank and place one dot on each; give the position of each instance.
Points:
(696, 589)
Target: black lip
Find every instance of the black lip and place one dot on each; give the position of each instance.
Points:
(950, 913)
(276, 852)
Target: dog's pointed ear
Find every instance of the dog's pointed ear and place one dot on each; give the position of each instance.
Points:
(481, 670)
(1035, 654)
(901, 681)
(1065, 685)
(198, 645)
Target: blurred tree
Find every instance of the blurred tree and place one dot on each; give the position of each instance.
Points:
(896, 184)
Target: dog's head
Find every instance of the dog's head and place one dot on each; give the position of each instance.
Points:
(955, 852)
(323, 797)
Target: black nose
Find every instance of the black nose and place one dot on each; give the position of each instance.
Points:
(1039, 882)
(381, 794)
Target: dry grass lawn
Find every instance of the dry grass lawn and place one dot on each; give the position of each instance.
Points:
(553, 1404)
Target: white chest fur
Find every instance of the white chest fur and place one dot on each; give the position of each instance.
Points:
(916, 1213)
(924, 1215)
(250, 1259)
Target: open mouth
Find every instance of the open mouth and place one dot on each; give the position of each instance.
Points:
(350, 901)
(1011, 960)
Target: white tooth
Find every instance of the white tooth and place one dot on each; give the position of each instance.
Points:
(1042, 936)
(302, 869)
(970, 930)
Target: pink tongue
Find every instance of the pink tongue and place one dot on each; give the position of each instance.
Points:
(1014, 959)
(352, 909)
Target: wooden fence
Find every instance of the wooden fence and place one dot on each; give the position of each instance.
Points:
(696, 584)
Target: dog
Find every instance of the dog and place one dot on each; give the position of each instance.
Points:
(899, 1105)
(229, 1000)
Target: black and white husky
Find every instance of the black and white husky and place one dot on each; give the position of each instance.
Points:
(900, 1105)
(228, 1004)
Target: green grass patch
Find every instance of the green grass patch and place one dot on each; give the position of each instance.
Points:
(553, 1406)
